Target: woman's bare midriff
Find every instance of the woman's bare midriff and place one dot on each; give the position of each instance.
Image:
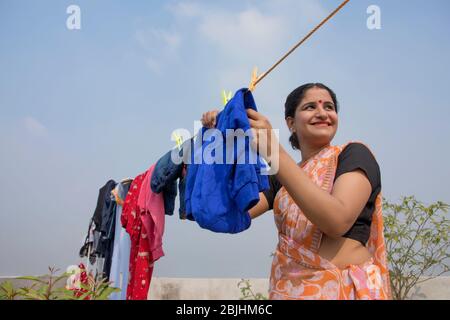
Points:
(343, 252)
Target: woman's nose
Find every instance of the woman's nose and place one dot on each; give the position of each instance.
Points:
(321, 113)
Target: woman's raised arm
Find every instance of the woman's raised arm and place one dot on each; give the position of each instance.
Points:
(261, 207)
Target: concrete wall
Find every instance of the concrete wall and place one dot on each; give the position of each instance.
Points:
(434, 289)
(203, 289)
(227, 289)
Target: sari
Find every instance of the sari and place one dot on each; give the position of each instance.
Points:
(298, 272)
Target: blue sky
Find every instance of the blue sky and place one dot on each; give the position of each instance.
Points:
(79, 107)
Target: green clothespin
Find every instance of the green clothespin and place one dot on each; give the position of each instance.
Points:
(178, 140)
(226, 96)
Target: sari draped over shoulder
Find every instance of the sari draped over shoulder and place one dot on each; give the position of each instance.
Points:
(298, 272)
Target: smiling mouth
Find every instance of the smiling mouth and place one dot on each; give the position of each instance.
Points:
(321, 124)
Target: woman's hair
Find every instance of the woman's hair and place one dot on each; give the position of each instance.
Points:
(294, 99)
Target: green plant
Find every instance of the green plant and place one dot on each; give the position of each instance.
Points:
(97, 289)
(46, 288)
(7, 291)
(417, 243)
(247, 292)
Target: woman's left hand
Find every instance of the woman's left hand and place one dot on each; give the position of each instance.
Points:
(264, 137)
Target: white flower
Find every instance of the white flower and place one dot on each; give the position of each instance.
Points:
(73, 269)
(73, 281)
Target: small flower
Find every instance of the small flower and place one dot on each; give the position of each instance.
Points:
(73, 269)
(73, 282)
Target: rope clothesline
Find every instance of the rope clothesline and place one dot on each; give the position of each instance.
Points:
(256, 80)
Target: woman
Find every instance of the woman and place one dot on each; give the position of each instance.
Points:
(327, 208)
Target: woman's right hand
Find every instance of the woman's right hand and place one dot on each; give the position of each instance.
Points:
(209, 119)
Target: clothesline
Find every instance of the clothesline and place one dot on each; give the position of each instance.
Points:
(254, 81)
(129, 251)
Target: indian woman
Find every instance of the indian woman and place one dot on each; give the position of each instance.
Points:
(327, 208)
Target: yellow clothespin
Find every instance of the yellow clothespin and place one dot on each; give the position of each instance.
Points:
(178, 140)
(253, 80)
(226, 96)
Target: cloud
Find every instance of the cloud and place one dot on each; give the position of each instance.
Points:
(258, 25)
(247, 33)
(300, 13)
(251, 35)
(186, 9)
(160, 46)
(256, 34)
(34, 127)
(235, 33)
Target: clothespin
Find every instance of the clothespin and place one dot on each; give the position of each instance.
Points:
(126, 180)
(178, 140)
(253, 80)
(226, 96)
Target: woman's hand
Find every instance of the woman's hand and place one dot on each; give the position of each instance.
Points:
(264, 138)
(209, 119)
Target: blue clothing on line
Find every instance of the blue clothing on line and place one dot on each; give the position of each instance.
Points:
(219, 195)
(121, 251)
(164, 179)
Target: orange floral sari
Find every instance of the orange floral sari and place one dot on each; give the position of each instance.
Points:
(298, 272)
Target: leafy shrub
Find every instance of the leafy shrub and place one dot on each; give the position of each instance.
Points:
(46, 287)
(417, 243)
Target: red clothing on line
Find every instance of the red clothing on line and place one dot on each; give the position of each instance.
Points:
(143, 219)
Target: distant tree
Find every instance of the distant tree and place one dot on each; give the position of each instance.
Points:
(417, 243)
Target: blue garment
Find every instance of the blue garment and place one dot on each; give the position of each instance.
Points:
(107, 237)
(121, 251)
(102, 223)
(181, 190)
(164, 179)
(218, 196)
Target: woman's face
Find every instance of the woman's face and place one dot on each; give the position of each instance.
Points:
(316, 120)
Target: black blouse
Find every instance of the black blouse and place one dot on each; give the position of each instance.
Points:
(354, 156)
